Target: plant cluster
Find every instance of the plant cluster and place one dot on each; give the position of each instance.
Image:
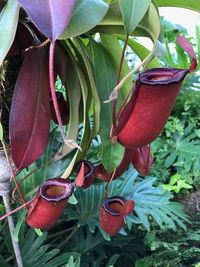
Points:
(81, 129)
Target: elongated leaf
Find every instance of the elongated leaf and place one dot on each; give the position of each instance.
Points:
(50, 17)
(68, 75)
(111, 43)
(8, 26)
(29, 121)
(188, 4)
(1, 132)
(86, 15)
(96, 103)
(105, 82)
(86, 134)
(132, 12)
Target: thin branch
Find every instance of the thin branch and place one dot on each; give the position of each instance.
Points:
(11, 228)
(13, 211)
(146, 60)
(68, 238)
(118, 80)
(13, 173)
(46, 42)
(108, 184)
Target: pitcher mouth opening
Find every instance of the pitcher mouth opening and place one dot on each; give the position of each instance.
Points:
(88, 168)
(113, 205)
(56, 190)
(162, 76)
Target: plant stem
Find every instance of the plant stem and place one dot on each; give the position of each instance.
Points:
(69, 142)
(118, 80)
(13, 211)
(146, 60)
(52, 87)
(68, 238)
(108, 184)
(46, 42)
(13, 173)
(11, 228)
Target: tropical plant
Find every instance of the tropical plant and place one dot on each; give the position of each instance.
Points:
(70, 57)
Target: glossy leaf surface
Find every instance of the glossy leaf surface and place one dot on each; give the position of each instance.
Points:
(112, 23)
(51, 17)
(8, 25)
(105, 82)
(188, 4)
(86, 15)
(132, 12)
(29, 121)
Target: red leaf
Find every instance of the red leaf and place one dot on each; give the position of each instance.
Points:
(80, 176)
(51, 17)
(29, 120)
(63, 107)
(188, 48)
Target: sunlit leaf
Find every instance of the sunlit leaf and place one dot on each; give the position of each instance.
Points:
(1, 132)
(8, 26)
(188, 4)
(86, 15)
(149, 26)
(132, 12)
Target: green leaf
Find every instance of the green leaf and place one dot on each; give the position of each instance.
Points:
(1, 132)
(72, 200)
(87, 14)
(70, 80)
(150, 200)
(96, 103)
(38, 232)
(111, 43)
(142, 52)
(113, 260)
(105, 83)
(8, 25)
(185, 150)
(86, 133)
(73, 262)
(149, 26)
(21, 216)
(188, 4)
(35, 253)
(132, 12)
